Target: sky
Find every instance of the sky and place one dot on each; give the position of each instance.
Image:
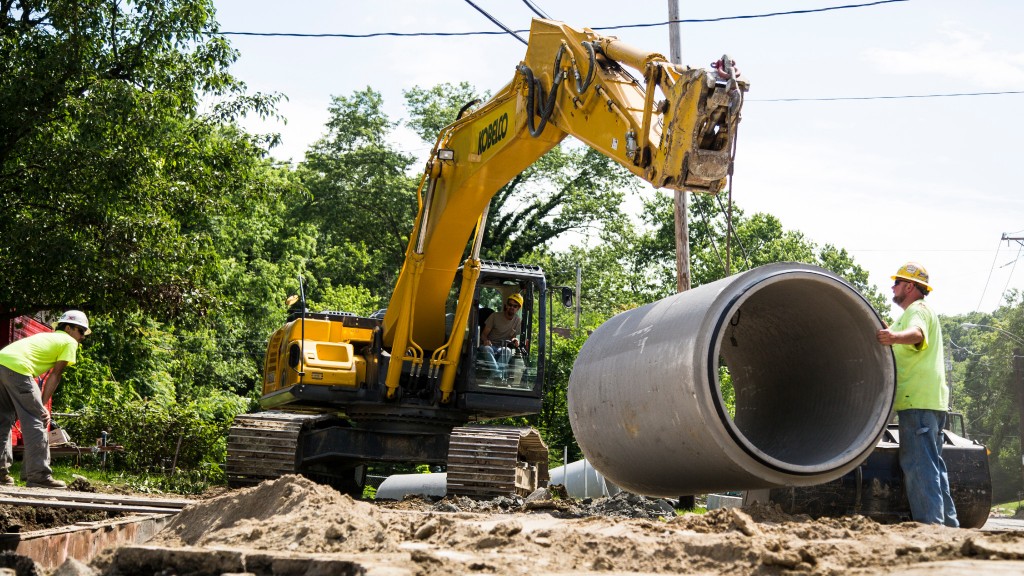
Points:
(933, 180)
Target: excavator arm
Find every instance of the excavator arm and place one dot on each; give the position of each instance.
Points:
(571, 82)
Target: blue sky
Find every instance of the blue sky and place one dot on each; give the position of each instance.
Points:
(935, 180)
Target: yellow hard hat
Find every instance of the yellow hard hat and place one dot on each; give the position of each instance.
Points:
(517, 297)
(914, 272)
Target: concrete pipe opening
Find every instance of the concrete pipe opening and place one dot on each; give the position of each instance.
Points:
(649, 396)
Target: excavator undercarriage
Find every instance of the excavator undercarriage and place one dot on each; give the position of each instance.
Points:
(482, 461)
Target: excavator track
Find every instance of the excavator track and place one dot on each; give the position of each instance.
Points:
(489, 461)
(265, 445)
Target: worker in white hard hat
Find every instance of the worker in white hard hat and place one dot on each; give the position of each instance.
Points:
(922, 398)
(21, 362)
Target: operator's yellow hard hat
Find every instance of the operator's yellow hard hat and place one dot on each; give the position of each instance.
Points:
(518, 298)
(915, 273)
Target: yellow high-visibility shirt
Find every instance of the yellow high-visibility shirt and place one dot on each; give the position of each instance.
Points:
(920, 373)
(35, 354)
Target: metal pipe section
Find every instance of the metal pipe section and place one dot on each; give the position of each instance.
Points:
(813, 388)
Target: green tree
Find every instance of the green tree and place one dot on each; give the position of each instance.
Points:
(753, 241)
(109, 173)
(362, 202)
(986, 388)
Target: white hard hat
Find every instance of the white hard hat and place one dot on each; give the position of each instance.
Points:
(76, 317)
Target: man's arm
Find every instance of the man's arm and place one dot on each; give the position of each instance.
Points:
(912, 336)
(53, 380)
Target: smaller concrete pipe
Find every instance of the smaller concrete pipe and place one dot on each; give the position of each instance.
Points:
(398, 486)
(581, 480)
(813, 387)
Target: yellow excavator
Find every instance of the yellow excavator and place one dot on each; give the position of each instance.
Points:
(405, 385)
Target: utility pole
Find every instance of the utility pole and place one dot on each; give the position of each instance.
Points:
(688, 501)
(1018, 373)
(682, 224)
(579, 288)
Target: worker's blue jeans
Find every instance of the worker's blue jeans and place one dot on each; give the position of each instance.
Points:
(495, 358)
(924, 472)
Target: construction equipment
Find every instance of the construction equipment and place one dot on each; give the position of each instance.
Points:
(876, 488)
(344, 391)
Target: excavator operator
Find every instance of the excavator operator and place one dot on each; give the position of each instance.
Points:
(501, 331)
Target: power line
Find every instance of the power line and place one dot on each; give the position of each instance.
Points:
(900, 97)
(1010, 277)
(751, 16)
(536, 9)
(496, 33)
(989, 279)
(497, 22)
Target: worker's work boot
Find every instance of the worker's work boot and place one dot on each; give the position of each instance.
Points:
(48, 482)
(6, 480)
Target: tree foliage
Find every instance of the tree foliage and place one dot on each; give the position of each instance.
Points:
(108, 171)
(716, 250)
(982, 350)
(361, 201)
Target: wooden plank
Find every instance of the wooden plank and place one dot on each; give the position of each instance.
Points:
(46, 503)
(264, 441)
(478, 443)
(74, 496)
(266, 469)
(283, 455)
(482, 457)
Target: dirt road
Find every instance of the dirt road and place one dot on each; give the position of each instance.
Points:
(292, 525)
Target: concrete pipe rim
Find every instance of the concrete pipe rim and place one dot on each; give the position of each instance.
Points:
(865, 441)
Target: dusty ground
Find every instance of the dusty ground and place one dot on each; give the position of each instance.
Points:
(293, 517)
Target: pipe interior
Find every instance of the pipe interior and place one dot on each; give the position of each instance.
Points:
(805, 370)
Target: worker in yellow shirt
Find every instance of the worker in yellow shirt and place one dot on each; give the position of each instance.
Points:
(922, 398)
(20, 399)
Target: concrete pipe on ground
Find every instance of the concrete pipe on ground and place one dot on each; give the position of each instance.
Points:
(813, 388)
(581, 480)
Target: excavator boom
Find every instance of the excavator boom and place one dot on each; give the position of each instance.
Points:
(571, 82)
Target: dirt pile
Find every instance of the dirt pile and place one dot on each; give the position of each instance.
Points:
(544, 535)
(288, 514)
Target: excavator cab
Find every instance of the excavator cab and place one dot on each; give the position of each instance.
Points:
(505, 378)
(505, 364)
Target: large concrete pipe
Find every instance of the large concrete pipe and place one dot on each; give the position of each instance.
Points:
(813, 387)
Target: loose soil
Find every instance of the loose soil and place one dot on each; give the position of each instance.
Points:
(29, 518)
(625, 534)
